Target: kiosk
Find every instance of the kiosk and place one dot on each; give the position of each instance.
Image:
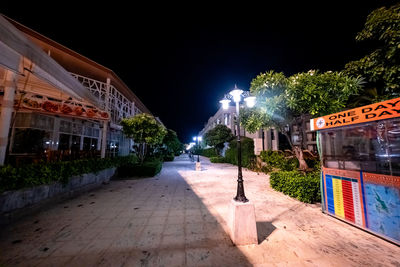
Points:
(360, 176)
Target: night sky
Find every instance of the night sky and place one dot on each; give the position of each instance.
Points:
(181, 60)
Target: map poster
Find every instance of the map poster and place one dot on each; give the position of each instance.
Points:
(382, 198)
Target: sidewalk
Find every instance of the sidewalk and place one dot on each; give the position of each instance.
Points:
(178, 219)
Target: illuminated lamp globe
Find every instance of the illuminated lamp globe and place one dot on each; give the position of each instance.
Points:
(225, 103)
(236, 94)
(250, 101)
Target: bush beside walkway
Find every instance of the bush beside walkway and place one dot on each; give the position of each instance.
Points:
(14, 178)
(304, 187)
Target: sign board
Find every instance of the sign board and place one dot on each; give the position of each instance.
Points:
(45, 104)
(378, 111)
(367, 200)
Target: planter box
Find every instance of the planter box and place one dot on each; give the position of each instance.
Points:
(15, 204)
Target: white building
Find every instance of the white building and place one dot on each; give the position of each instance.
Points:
(264, 139)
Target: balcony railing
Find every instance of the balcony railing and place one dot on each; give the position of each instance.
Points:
(118, 105)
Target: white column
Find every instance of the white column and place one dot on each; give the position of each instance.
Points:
(276, 141)
(105, 123)
(133, 109)
(7, 108)
(56, 134)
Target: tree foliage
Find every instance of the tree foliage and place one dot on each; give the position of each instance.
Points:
(283, 100)
(144, 130)
(271, 109)
(381, 68)
(217, 136)
(320, 94)
(172, 143)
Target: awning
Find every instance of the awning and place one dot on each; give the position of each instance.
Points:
(14, 45)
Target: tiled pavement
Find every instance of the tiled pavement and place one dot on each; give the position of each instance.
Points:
(178, 219)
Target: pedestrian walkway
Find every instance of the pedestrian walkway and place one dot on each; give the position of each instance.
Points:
(178, 218)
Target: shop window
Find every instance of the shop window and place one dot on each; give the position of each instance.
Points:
(23, 120)
(32, 133)
(64, 142)
(65, 126)
(393, 137)
(89, 143)
(372, 147)
(31, 141)
(77, 128)
(96, 132)
(88, 131)
(76, 143)
(42, 122)
(113, 143)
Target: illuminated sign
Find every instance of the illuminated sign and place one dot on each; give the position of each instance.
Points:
(378, 111)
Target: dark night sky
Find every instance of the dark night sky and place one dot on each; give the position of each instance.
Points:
(180, 61)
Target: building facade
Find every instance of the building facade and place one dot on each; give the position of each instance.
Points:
(56, 104)
(264, 139)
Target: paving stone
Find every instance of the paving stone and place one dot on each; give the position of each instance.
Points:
(178, 218)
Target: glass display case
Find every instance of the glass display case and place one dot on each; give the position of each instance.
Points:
(360, 179)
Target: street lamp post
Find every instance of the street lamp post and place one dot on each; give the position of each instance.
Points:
(198, 139)
(236, 94)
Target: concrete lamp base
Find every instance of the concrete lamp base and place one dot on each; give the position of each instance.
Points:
(198, 166)
(242, 223)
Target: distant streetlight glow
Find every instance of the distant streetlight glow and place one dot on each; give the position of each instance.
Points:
(198, 139)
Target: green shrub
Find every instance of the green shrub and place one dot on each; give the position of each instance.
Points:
(147, 169)
(277, 160)
(12, 178)
(217, 159)
(208, 152)
(304, 187)
(248, 156)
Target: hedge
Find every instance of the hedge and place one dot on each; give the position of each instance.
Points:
(276, 160)
(304, 187)
(12, 178)
(147, 169)
(248, 157)
(218, 160)
(208, 152)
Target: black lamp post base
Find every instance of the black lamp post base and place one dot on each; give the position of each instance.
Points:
(241, 199)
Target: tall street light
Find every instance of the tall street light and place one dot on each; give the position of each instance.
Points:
(236, 95)
(198, 139)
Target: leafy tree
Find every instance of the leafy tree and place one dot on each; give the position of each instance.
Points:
(217, 136)
(145, 131)
(320, 94)
(380, 68)
(172, 142)
(282, 101)
(271, 108)
(317, 94)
